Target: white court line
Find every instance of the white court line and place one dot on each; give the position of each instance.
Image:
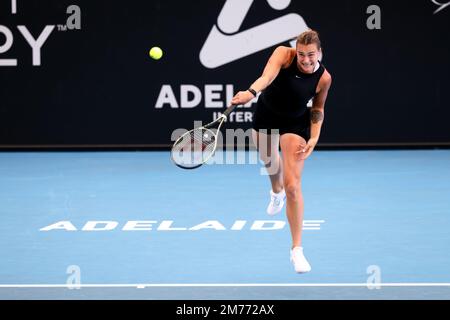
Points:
(144, 285)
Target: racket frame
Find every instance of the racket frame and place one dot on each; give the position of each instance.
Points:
(207, 127)
(219, 120)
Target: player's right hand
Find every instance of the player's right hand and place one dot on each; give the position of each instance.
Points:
(242, 97)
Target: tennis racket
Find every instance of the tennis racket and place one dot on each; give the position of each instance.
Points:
(198, 145)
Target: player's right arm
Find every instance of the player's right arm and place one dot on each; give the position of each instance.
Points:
(279, 58)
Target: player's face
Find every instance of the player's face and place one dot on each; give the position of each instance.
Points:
(307, 57)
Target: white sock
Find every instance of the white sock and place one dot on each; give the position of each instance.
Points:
(279, 193)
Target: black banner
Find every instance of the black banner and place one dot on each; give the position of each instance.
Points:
(78, 72)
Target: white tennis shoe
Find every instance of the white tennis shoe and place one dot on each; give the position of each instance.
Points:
(276, 202)
(301, 265)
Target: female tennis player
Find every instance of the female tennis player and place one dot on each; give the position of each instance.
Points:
(291, 78)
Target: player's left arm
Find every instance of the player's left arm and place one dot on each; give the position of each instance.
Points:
(317, 113)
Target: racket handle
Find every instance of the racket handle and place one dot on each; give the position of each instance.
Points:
(229, 110)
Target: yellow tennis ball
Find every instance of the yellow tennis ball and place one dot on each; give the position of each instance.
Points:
(156, 53)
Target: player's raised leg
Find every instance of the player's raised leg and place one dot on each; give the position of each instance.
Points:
(268, 151)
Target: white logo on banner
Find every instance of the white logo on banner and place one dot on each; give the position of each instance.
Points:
(442, 6)
(36, 43)
(13, 6)
(227, 43)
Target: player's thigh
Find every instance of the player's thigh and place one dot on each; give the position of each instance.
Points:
(293, 166)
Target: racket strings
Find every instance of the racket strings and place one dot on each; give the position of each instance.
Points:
(194, 148)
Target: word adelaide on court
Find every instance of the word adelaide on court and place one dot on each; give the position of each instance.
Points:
(169, 225)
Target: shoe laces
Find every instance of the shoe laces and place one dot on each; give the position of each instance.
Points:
(276, 200)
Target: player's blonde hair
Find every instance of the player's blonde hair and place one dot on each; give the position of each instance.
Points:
(309, 37)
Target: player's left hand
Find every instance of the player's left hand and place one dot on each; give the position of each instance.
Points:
(304, 153)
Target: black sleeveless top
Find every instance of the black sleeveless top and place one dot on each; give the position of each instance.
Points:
(290, 92)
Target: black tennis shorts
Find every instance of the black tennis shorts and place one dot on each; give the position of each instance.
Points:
(265, 120)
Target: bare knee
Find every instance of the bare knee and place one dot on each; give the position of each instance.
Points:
(267, 146)
(269, 160)
(293, 190)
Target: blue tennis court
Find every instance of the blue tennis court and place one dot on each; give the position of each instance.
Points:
(132, 225)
